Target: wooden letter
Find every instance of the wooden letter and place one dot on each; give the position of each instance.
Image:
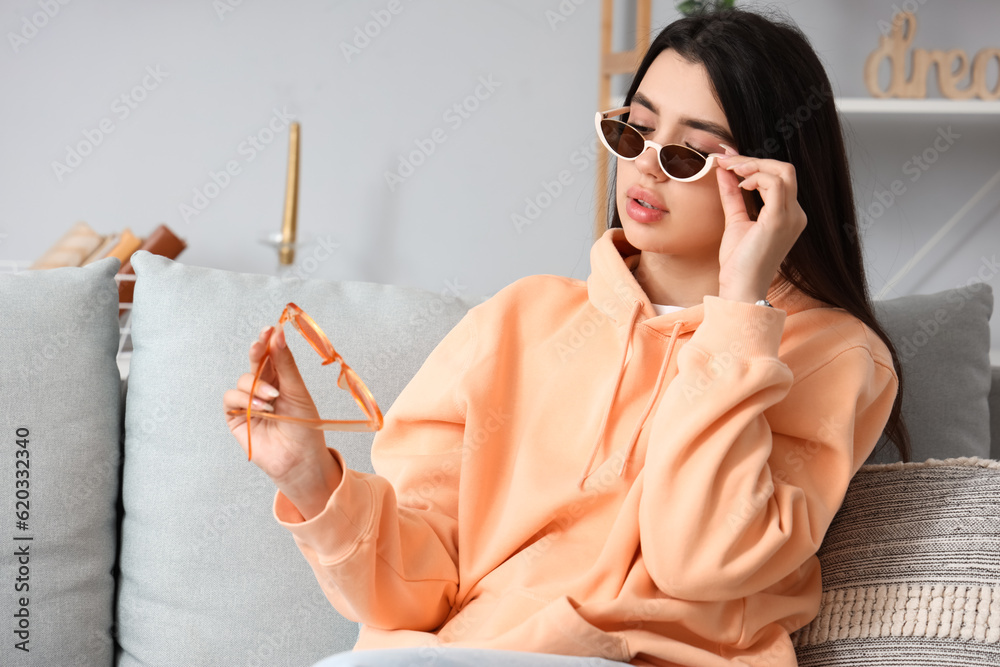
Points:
(979, 67)
(952, 66)
(948, 76)
(892, 46)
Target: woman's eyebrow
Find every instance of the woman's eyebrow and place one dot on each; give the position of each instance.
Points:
(693, 123)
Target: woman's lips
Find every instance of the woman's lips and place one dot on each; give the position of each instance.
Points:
(639, 212)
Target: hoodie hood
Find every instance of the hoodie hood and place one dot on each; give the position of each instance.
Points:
(613, 290)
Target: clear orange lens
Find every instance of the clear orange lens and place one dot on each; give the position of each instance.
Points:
(348, 380)
(313, 334)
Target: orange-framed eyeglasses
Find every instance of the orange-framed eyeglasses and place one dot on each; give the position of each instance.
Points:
(348, 380)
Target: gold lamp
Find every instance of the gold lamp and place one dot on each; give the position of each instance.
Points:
(286, 254)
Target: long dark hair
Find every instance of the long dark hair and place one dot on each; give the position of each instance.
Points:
(779, 104)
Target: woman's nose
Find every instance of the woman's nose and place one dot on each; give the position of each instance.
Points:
(648, 162)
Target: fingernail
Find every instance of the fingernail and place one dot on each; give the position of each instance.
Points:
(265, 332)
(729, 151)
(269, 391)
(281, 339)
(258, 404)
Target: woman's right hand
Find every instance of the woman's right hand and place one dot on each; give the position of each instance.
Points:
(294, 456)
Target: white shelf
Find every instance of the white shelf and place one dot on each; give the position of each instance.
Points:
(872, 105)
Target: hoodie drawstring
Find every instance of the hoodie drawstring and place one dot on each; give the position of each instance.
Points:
(614, 392)
(636, 309)
(652, 398)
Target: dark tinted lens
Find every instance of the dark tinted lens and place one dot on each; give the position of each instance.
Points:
(680, 161)
(623, 139)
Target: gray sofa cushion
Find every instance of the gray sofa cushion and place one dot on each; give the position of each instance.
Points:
(911, 571)
(943, 342)
(995, 414)
(60, 398)
(208, 576)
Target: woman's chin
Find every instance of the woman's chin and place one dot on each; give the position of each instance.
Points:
(643, 235)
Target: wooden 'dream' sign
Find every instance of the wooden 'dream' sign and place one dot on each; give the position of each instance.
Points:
(952, 67)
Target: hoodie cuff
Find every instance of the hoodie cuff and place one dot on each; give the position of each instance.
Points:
(344, 521)
(745, 330)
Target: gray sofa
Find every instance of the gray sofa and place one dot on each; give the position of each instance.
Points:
(138, 534)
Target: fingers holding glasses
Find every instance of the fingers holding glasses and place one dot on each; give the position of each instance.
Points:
(281, 373)
(236, 400)
(752, 250)
(264, 393)
(259, 347)
(773, 179)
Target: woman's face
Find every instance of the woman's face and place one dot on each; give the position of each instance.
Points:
(674, 104)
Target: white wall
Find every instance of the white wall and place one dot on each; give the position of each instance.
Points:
(223, 75)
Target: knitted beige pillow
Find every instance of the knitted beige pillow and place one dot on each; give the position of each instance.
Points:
(911, 569)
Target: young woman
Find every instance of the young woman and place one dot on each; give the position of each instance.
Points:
(639, 467)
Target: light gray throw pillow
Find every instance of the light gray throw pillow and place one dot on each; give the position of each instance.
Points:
(943, 342)
(60, 433)
(208, 576)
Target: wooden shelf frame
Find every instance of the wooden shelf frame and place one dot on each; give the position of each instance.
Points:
(614, 63)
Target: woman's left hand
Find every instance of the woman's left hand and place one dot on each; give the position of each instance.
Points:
(752, 250)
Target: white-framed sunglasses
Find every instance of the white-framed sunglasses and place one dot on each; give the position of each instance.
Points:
(677, 162)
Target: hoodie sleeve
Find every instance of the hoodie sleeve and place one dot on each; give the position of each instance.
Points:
(748, 459)
(388, 560)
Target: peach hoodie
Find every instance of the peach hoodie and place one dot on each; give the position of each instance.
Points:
(570, 473)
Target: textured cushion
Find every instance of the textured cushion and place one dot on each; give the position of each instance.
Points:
(943, 342)
(208, 576)
(995, 414)
(60, 389)
(911, 569)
